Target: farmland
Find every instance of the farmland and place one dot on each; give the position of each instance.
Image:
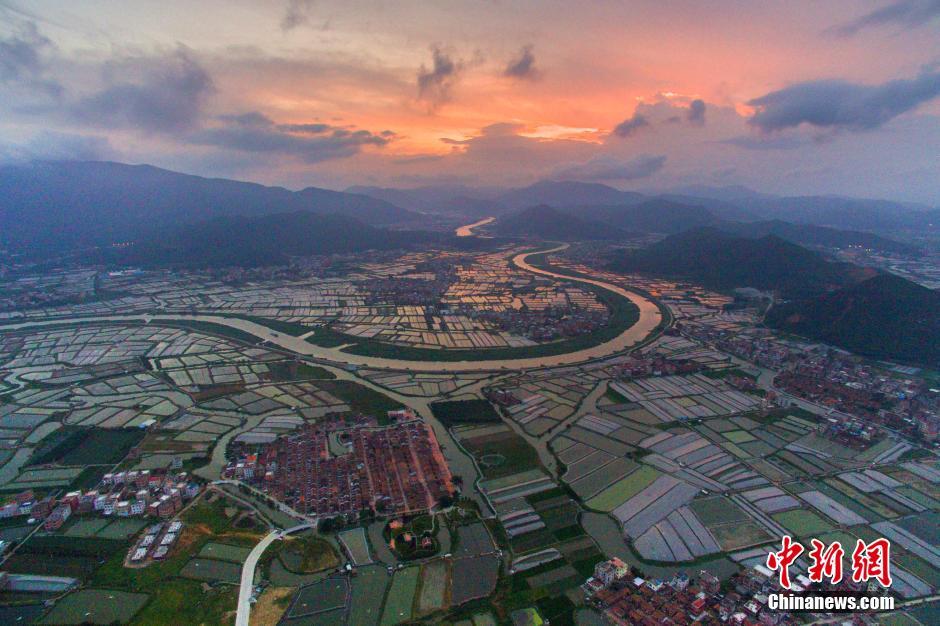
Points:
(670, 456)
(464, 412)
(96, 606)
(499, 452)
(400, 596)
(624, 489)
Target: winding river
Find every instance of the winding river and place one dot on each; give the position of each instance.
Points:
(466, 231)
(649, 319)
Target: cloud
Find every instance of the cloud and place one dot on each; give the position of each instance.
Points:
(766, 142)
(54, 146)
(22, 63)
(905, 13)
(606, 168)
(522, 66)
(312, 143)
(313, 128)
(155, 94)
(696, 114)
(296, 14)
(434, 84)
(630, 126)
(840, 105)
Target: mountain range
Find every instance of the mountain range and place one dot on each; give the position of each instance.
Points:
(659, 215)
(47, 207)
(885, 316)
(257, 241)
(719, 238)
(733, 203)
(721, 261)
(545, 222)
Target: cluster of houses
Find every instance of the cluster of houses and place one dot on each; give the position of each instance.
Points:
(123, 494)
(157, 541)
(627, 599)
(639, 366)
(392, 470)
(630, 600)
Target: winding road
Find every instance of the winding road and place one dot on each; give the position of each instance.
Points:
(649, 319)
(248, 571)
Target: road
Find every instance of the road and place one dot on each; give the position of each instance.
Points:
(649, 319)
(246, 588)
(283, 508)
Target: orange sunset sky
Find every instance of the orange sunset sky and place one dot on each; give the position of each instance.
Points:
(785, 97)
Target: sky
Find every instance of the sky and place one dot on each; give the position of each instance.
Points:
(836, 97)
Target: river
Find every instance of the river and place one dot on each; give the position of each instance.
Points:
(649, 319)
(466, 231)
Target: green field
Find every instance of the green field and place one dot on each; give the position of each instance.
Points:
(72, 445)
(326, 596)
(212, 571)
(281, 371)
(434, 579)
(183, 601)
(85, 527)
(306, 555)
(356, 544)
(368, 588)
(624, 489)
(513, 453)
(739, 535)
(400, 596)
(717, 510)
(224, 552)
(738, 436)
(464, 412)
(360, 398)
(96, 606)
(122, 528)
(803, 523)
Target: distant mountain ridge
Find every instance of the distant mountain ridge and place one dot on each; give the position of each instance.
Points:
(720, 261)
(813, 235)
(655, 215)
(52, 206)
(458, 199)
(734, 203)
(258, 241)
(567, 194)
(545, 222)
(884, 317)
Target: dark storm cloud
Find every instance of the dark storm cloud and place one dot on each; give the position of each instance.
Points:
(840, 105)
(604, 168)
(696, 114)
(255, 132)
(522, 65)
(154, 94)
(296, 14)
(630, 126)
(905, 13)
(22, 62)
(434, 84)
